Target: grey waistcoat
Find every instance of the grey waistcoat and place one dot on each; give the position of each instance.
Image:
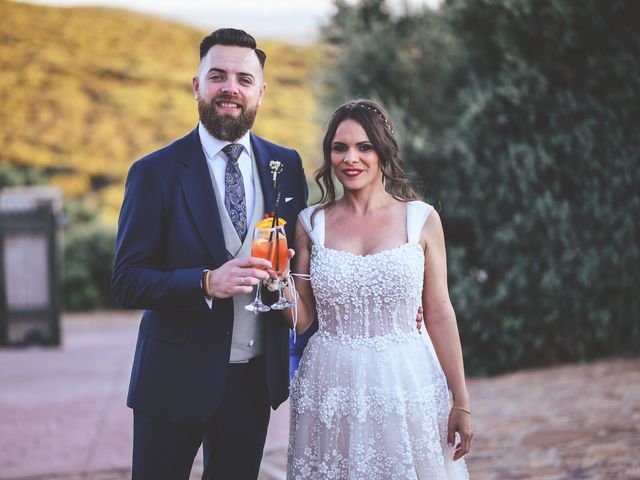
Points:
(248, 338)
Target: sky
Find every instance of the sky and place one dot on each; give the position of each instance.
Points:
(284, 19)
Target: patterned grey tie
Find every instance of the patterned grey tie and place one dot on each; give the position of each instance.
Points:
(234, 199)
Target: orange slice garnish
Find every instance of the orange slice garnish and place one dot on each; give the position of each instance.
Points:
(268, 223)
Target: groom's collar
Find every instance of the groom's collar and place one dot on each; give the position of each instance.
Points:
(212, 145)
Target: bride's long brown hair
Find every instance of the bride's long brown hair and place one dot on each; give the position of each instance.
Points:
(378, 127)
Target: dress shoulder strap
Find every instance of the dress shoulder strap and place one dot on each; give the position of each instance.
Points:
(417, 214)
(315, 230)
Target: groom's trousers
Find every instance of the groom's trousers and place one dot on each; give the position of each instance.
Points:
(232, 439)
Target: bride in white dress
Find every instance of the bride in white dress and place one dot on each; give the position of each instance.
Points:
(370, 398)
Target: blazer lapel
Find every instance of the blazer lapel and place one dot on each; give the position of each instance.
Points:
(262, 158)
(196, 180)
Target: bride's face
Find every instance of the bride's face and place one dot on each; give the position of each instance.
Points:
(355, 162)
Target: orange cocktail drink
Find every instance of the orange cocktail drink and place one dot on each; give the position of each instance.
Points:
(274, 250)
(270, 243)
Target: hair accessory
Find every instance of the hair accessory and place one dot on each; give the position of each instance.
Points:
(379, 113)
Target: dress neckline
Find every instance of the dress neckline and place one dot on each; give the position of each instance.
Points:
(379, 252)
(323, 224)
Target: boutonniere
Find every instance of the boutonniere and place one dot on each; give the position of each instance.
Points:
(275, 167)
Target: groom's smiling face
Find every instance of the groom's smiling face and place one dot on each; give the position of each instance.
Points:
(229, 88)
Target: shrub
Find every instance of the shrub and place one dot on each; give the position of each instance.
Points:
(520, 117)
(88, 259)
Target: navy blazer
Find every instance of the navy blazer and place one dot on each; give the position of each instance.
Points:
(169, 231)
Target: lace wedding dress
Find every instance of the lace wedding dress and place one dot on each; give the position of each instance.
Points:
(369, 399)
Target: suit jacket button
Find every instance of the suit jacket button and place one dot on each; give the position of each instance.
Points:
(227, 333)
(251, 343)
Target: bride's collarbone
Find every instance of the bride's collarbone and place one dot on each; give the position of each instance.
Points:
(367, 234)
(366, 242)
(363, 241)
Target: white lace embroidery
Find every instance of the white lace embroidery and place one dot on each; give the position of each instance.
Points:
(369, 400)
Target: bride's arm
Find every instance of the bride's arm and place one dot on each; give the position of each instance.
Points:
(300, 264)
(440, 322)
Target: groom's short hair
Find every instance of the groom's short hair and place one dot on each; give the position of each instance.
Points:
(231, 37)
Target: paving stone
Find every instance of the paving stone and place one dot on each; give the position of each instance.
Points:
(63, 414)
(577, 421)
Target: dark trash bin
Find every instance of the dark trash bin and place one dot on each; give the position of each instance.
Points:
(30, 262)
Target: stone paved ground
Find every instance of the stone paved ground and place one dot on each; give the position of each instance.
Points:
(571, 422)
(62, 414)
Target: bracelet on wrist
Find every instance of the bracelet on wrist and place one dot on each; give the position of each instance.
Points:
(205, 282)
(461, 409)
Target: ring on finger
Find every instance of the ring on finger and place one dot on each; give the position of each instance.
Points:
(242, 281)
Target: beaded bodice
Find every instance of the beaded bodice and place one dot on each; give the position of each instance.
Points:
(361, 297)
(367, 299)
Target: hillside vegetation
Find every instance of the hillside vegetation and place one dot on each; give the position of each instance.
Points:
(84, 92)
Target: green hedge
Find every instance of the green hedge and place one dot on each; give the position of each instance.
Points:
(520, 119)
(88, 259)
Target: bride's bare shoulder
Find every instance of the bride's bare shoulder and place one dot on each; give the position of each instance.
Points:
(432, 233)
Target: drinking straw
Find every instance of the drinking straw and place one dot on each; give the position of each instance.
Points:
(275, 209)
(274, 223)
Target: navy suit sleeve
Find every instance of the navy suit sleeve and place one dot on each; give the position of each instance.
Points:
(140, 280)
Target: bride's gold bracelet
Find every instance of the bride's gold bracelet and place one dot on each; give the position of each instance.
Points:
(462, 409)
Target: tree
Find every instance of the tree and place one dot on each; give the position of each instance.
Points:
(520, 118)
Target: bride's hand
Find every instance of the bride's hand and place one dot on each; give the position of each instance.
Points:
(290, 254)
(460, 422)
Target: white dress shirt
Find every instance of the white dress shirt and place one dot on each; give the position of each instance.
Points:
(217, 160)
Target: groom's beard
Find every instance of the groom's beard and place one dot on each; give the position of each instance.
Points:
(223, 126)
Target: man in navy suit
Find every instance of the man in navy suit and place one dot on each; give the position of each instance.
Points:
(206, 371)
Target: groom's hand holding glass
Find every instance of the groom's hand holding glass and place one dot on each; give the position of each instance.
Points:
(235, 277)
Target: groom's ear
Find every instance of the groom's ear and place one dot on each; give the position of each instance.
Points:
(195, 82)
(263, 87)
